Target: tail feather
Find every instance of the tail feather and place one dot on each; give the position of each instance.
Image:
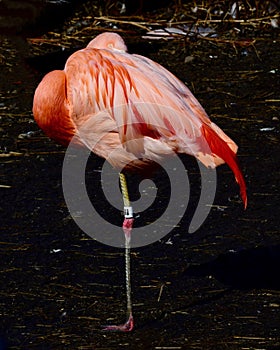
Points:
(220, 148)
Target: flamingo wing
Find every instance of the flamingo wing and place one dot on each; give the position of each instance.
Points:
(150, 109)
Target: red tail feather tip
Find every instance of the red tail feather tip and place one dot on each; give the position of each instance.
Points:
(221, 149)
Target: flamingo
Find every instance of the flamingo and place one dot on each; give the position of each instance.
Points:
(119, 98)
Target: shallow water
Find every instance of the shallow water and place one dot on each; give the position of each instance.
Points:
(213, 289)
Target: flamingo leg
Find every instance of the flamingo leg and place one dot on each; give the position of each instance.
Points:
(127, 228)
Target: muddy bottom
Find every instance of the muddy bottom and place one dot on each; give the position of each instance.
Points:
(216, 288)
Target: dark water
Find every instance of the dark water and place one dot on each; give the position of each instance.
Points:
(215, 289)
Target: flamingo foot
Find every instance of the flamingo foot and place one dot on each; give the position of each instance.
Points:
(126, 327)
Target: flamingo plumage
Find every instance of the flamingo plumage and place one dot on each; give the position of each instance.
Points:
(129, 110)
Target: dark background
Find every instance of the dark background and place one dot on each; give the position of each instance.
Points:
(215, 289)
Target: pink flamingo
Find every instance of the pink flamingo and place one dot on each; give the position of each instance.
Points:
(119, 97)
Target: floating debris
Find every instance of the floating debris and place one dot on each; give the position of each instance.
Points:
(5, 186)
(184, 30)
(267, 129)
(11, 154)
(27, 135)
(54, 251)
